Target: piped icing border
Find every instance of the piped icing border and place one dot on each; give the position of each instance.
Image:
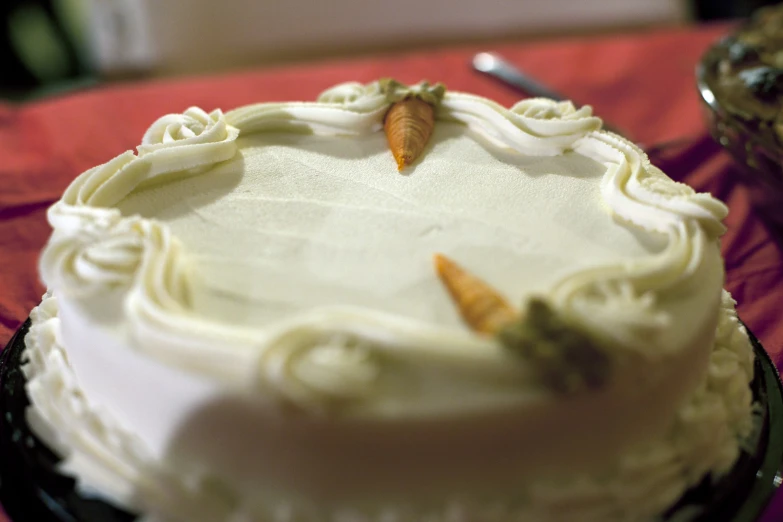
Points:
(94, 248)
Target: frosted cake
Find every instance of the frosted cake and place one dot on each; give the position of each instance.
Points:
(397, 303)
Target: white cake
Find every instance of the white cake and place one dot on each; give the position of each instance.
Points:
(243, 322)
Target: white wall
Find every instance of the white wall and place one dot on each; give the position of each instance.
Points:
(190, 35)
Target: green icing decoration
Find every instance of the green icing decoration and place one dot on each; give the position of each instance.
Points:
(396, 91)
(566, 358)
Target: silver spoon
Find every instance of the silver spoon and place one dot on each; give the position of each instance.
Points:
(495, 66)
(498, 68)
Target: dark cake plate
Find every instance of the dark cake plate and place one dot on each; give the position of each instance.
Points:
(31, 488)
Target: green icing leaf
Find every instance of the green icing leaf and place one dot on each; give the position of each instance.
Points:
(396, 91)
(565, 357)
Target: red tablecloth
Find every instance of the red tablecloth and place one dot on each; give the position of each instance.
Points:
(643, 83)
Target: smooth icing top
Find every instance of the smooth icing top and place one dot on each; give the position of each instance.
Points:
(283, 260)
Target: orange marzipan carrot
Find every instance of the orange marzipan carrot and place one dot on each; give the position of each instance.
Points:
(480, 305)
(408, 125)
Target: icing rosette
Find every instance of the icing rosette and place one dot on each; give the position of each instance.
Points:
(185, 141)
(548, 118)
(175, 143)
(69, 219)
(321, 372)
(108, 251)
(104, 254)
(355, 96)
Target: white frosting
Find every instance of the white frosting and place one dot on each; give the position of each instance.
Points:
(704, 437)
(279, 285)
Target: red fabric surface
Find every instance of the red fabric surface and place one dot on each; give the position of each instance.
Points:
(643, 83)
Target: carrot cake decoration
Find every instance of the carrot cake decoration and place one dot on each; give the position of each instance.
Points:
(483, 308)
(410, 120)
(566, 358)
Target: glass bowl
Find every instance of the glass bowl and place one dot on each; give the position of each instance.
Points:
(752, 141)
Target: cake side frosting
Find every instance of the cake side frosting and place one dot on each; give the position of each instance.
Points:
(128, 289)
(110, 461)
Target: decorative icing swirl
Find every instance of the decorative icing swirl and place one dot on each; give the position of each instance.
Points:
(186, 141)
(330, 359)
(537, 126)
(192, 127)
(355, 96)
(105, 254)
(94, 248)
(107, 184)
(320, 373)
(619, 302)
(545, 117)
(174, 143)
(641, 194)
(110, 252)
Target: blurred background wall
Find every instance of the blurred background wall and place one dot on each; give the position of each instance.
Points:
(50, 45)
(165, 34)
